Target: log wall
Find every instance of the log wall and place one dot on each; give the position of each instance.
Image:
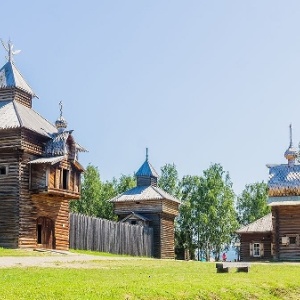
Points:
(250, 238)
(10, 144)
(286, 223)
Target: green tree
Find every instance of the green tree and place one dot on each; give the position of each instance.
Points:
(124, 183)
(169, 181)
(90, 193)
(184, 225)
(252, 203)
(213, 211)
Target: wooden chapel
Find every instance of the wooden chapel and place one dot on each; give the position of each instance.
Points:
(39, 168)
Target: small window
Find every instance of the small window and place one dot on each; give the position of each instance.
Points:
(256, 250)
(65, 179)
(293, 240)
(3, 170)
(133, 222)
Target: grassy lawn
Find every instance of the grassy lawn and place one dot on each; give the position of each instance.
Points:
(138, 278)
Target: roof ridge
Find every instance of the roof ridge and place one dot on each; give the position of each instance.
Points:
(17, 113)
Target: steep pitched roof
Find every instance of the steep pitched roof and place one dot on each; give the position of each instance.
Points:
(146, 170)
(15, 115)
(144, 193)
(263, 224)
(11, 77)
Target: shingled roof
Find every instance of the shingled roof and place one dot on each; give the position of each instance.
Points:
(284, 176)
(263, 224)
(144, 193)
(11, 77)
(15, 115)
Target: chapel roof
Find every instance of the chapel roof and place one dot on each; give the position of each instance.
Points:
(263, 224)
(15, 115)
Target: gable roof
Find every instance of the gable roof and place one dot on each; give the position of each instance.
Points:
(144, 193)
(11, 77)
(135, 216)
(15, 115)
(263, 224)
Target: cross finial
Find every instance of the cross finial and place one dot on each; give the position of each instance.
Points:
(9, 48)
(291, 136)
(61, 109)
(146, 154)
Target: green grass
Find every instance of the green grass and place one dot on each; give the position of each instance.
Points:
(139, 278)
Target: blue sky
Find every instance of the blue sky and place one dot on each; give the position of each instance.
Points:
(198, 82)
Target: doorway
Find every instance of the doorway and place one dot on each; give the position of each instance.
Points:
(45, 233)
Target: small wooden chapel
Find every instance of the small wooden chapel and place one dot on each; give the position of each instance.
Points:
(147, 204)
(39, 168)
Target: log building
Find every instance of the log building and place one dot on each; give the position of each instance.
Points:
(39, 168)
(147, 204)
(283, 241)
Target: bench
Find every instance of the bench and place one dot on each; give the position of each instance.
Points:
(225, 266)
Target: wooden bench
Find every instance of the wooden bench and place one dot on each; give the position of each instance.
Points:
(225, 266)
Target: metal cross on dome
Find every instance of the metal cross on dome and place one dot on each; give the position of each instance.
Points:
(61, 109)
(9, 48)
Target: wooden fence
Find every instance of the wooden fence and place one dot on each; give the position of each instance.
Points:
(89, 233)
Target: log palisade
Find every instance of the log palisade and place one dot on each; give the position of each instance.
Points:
(39, 171)
(147, 204)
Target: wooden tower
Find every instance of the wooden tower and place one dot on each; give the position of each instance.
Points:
(39, 168)
(148, 204)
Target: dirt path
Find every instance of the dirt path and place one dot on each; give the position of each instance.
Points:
(67, 260)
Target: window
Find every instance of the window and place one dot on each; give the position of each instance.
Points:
(3, 170)
(256, 250)
(65, 179)
(290, 240)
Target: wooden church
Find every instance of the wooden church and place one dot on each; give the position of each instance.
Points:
(147, 204)
(277, 235)
(39, 168)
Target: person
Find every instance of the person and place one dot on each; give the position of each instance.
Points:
(224, 257)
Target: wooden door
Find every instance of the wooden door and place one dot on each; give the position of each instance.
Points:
(45, 233)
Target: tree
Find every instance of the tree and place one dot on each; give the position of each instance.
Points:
(184, 226)
(124, 183)
(90, 193)
(169, 180)
(213, 211)
(252, 203)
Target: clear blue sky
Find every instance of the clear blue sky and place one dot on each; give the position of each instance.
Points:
(197, 82)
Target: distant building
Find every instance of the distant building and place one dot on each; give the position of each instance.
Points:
(39, 168)
(147, 204)
(277, 235)
(256, 240)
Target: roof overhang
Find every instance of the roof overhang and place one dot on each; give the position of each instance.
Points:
(287, 200)
(47, 160)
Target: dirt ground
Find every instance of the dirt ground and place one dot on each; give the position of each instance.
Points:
(58, 260)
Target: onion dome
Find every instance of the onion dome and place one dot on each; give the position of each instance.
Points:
(61, 124)
(291, 153)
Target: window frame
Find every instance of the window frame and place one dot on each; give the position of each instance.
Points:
(256, 254)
